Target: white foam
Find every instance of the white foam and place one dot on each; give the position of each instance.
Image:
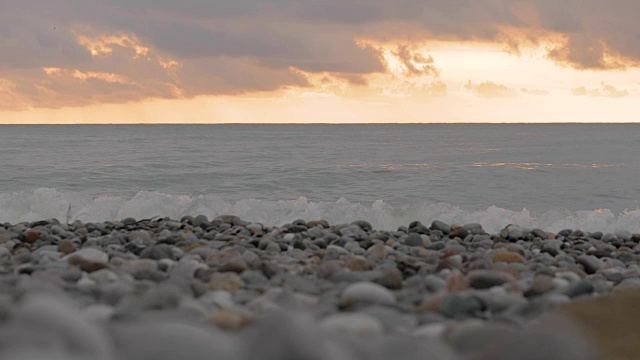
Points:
(46, 203)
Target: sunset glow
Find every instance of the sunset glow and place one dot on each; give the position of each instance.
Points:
(510, 65)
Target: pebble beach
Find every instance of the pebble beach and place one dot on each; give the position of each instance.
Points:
(225, 288)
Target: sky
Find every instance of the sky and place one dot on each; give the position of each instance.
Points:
(319, 61)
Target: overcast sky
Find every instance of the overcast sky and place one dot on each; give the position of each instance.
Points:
(319, 60)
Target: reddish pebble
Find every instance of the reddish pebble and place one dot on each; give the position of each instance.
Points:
(31, 237)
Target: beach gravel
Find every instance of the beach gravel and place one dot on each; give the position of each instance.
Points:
(163, 288)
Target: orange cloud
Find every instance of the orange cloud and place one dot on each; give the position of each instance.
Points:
(414, 63)
(70, 53)
(604, 91)
(410, 88)
(489, 90)
(103, 44)
(9, 99)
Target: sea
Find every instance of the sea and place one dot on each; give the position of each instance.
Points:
(550, 176)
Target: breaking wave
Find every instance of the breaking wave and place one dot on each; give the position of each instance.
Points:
(46, 203)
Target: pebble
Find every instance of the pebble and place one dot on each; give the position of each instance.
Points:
(441, 226)
(414, 239)
(508, 257)
(591, 264)
(89, 254)
(367, 292)
(484, 279)
(228, 281)
(247, 288)
(455, 305)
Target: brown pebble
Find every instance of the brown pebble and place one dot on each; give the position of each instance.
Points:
(458, 232)
(233, 261)
(315, 223)
(499, 239)
(447, 254)
(228, 281)
(377, 252)
(235, 267)
(91, 266)
(541, 234)
(191, 247)
(230, 319)
(612, 322)
(430, 304)
(541, 285)
(67, 246)
(508, 257)
(457, 282)
(358, 263)
(31, 236)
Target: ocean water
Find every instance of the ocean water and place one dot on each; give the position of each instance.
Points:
(548, 176)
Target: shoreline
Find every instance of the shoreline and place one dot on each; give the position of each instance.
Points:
(453, 292)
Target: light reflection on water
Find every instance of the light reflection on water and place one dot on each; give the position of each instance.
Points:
(538, 167)
(513, 165)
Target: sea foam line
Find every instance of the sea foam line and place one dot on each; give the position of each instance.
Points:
(46, 203)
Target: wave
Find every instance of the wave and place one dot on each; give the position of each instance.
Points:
(47, 203)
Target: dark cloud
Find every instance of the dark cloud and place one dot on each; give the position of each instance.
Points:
(231, 46)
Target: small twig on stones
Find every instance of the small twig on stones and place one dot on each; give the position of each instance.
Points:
(149, 219)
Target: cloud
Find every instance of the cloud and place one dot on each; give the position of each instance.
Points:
(411, 88)
(415, 63)
(9, 100)
(537, 92)
(489, 90)
(604, 91)
(237, 46)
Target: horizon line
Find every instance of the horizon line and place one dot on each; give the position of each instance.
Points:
(341, 123)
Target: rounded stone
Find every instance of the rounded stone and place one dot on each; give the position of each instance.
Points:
(367, 292)
(508, 257)
(591, 264)
(456, 305)
(89, 254)
(459, 232)
(66, 246)
(231, 318)
(484, 279)
(441, 226)
(414, 239)
(140, 235)
(31, 236)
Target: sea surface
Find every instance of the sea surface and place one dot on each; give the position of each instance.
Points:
(549, 176)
